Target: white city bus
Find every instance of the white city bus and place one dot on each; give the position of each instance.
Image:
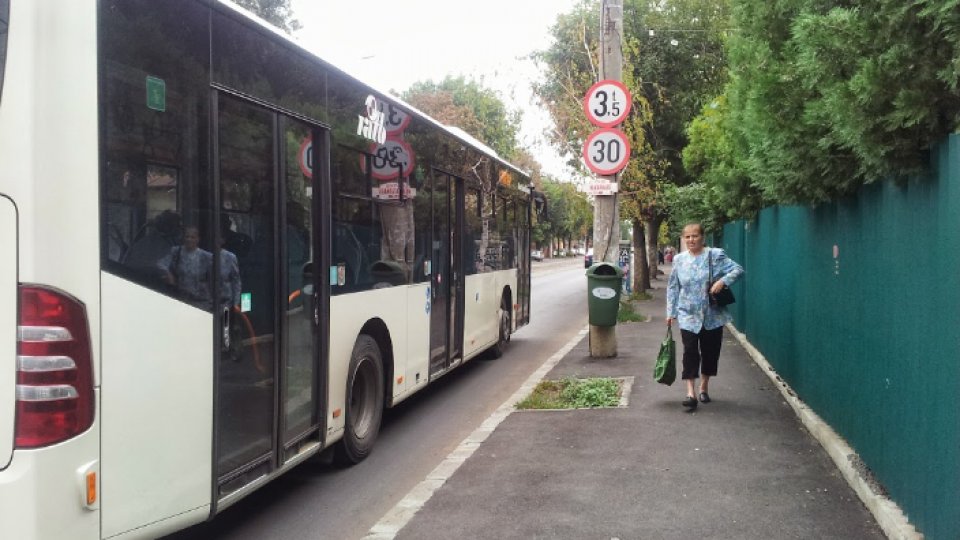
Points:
(220, 255)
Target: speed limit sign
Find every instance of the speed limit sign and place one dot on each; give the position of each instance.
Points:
(607, 103)
(389, 159)
(606, 151)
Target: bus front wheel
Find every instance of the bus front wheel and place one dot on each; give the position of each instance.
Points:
(364, 403)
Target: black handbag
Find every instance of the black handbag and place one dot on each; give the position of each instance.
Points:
(725, 296)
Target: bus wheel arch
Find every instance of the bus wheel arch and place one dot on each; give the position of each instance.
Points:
(377, 329)
(365, 396)
(504, 323)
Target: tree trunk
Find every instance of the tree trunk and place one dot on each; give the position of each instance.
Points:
(641, 278)
(653, 231)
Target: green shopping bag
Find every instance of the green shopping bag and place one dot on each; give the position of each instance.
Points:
(665, 370)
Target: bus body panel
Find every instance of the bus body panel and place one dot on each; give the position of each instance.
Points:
(348, 314)
(42, 494)
(416, 372)
(483, 294)
(8, 326)
(49, 168)
(51, 79)
(477, 323)
(157, 407)
(167, 526)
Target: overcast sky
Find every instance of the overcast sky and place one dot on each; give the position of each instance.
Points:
(392, 44)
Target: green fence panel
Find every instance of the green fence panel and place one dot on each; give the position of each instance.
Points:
(857, 306)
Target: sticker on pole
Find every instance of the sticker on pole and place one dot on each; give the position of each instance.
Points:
(606, 151)
(607, 103)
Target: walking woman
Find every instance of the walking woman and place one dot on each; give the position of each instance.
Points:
(688, 303)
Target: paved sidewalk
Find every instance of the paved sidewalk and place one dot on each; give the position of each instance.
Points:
(741, 467)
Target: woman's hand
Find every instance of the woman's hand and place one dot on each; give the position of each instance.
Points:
(718, 286)
(670, 321)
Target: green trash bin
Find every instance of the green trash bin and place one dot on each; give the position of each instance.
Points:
(603, 293)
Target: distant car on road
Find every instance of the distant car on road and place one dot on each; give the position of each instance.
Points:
(588, 258)
(536, 255)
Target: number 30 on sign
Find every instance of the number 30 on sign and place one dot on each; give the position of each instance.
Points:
(606, 151)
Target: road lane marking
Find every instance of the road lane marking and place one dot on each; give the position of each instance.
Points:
(401, 514)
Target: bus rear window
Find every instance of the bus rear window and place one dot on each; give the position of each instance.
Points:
(4, 17)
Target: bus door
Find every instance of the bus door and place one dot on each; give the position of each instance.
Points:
(446, 314)
(271, 321)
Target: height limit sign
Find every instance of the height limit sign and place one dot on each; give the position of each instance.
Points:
(607, 150)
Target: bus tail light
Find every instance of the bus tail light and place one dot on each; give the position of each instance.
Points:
(54, 368)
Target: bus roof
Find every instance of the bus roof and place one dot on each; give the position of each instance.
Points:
(291, 41)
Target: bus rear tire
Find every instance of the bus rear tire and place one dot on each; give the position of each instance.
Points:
(364, 403)
(504, 329)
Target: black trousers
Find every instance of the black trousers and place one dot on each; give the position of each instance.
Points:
(701, 352)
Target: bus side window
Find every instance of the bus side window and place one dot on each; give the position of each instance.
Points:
(156, 177)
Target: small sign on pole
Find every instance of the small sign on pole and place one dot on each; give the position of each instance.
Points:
(601, 187)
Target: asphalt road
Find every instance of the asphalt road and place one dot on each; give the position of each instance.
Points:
(320, 501)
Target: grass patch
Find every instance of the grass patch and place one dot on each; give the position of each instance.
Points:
(640, 296)
(628, 314)
(570, 393)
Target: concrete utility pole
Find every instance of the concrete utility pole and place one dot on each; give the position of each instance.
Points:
(606, 210)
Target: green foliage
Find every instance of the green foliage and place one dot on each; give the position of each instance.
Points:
(568, 214)
(824, 97)
(627, 313)
(571, 66)
(674, 61)
(693, 203)
(585, 393)
(570, 393)
(276, 12)
(726, 191)
(467, 104)
(677, 63)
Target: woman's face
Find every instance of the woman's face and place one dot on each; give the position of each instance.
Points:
(693, 239)
(191, 238)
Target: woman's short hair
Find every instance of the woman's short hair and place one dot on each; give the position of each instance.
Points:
(697, 225)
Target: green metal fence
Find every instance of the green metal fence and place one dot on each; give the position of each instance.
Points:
(857, 306)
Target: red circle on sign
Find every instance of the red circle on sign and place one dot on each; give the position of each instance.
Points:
(390, 120)
(303, 155)
(608, 111)
(387, 156)
(606, 151)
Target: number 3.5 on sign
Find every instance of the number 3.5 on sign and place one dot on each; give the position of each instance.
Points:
(607, 103)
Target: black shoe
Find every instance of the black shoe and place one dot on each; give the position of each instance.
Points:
(690, 402)
(704, 397)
